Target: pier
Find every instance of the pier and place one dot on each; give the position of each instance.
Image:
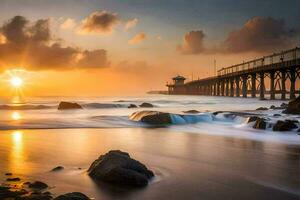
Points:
(273, 75)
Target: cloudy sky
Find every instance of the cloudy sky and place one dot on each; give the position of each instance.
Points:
(111, 47)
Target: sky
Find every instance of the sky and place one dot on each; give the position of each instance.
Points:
(125, 47)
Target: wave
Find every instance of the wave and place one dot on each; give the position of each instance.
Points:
(25, 107)
(103, 105)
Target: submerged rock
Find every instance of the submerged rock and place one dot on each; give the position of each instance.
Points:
(146, 105)
(286, 125)
(13, 179)
(68, 105)
(72, 196)
(38, 185)
(58, 168)
(8, 174)
(152, 117)
(192, 111)
(260, 123)
(119, 168)
(132, 106)
(262, 108)
(293, 107)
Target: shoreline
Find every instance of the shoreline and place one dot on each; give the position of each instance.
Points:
(208, 160)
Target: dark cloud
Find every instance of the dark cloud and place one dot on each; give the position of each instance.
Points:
(99, 22)
(32, 46)
(260, 34)
(192, 43)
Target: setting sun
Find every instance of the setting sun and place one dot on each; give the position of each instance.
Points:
(16, 81)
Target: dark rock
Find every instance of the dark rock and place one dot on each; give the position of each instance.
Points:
(293, 107)
(262, 108)
(272, 107)
(286, 125)
(38, 185)
(217, 112)
(58, 168)
(36, 196)
(13, 179)
(277, 115)
(146, 105)
(260, 123)
(192, 111)
(252, 119)
(68, 105)
(284, 105)
(7, 193)
(132, 106)
(8, 174)
(72, 196)
(151, 117)
(119, 168)
(263, 99)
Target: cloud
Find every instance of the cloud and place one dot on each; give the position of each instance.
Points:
(138, 38)
(260, 34)
(131, 23)
(192, 43)
(68, 24)
(31, 44)
(93, 59)
(99, 22)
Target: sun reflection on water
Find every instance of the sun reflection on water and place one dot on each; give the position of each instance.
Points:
(17, 156)
(16, 116)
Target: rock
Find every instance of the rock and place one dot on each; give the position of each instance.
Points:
(277, 115)
(146, 105)
(263, 99)
(7, 193)
(283, 105)
(262, 108)
(37, 196)
(252, 119)
(132, 106)
(293, 107)
(8, 174)
(68, 105)
(119, 168)
(72, 196)
(272, 107)
(286, 125)
(192, 111)
(152, 117)
(13, 179)
(38, 185)
(217, 112)
(58, 168)
(260, 123)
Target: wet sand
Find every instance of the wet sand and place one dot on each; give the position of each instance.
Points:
(187, 166)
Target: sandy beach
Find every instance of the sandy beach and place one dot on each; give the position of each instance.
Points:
(187, 166)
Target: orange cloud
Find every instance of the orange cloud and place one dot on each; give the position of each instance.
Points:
(131, 23)
(138, 38)
(69, 23)
(192, 43)
(31, 44)
(99, 22)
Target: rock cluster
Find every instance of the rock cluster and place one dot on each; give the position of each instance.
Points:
(293, 107)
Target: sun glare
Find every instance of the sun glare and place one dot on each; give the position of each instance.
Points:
(16, 81)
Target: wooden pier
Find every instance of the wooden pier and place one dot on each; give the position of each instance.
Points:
(273, 74)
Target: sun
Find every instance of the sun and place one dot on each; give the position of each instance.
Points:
(16, 81)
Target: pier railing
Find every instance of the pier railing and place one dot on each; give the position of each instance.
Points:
(289, 55)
